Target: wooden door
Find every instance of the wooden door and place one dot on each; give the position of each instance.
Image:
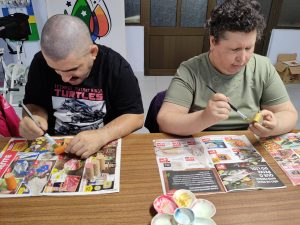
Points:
(174, 32)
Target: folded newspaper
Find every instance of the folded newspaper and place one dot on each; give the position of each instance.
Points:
(212, 164)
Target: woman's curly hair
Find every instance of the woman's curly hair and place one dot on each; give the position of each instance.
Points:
(236, 15)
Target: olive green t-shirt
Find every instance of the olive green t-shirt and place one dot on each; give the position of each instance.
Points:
(256, 84)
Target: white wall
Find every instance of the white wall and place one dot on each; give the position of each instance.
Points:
(40, 12)
(135, 48)
(284, 41)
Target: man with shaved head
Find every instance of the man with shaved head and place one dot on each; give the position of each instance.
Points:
(76, 87)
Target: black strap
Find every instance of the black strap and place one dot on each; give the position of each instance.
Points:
(11, 51)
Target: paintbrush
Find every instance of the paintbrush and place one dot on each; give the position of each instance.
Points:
(50, 140)
(231, 106)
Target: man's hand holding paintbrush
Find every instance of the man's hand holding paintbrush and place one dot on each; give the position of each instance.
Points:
(33, 126)
(224, 98)
(262, 124)
(218, 108)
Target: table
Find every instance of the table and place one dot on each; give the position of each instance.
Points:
(140, 185)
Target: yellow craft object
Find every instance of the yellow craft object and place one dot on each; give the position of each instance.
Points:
(258, 118)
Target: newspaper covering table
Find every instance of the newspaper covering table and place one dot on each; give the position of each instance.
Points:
(38, 171)
(285, 149)
(212, 164)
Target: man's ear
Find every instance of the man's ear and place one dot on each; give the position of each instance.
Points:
(94, 50)
(212, 42)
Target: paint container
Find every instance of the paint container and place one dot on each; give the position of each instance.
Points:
(164, 204)
(204, 221)
(89, 171)
(101, 159)
(96, 166)
(184, 208)
(163, 219)
(184, 198)
(184, 216)
(203, 208)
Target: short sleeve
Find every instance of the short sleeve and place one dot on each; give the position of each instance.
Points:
(35, 88)
(274, 92)
(181, 89)
(125, 95)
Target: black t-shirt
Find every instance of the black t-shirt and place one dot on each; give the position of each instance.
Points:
(110, 90)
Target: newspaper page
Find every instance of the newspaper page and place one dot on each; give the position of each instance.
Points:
(285, 149)
(212, 164)
(38, 171)
(239, 164)
(183, 164)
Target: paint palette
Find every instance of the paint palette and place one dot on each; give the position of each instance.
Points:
(183, 208)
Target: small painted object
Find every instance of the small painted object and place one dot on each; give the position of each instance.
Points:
(60, 149)
(258, 118)
(89, 171)
(96, 166)
(10, 181)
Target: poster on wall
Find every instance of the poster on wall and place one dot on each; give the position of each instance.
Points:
(104, 18)
(23, 7)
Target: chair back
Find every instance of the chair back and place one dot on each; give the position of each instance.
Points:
(151, 122)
